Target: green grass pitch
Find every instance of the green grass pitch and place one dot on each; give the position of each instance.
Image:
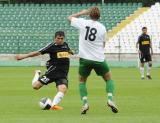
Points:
(138, 100)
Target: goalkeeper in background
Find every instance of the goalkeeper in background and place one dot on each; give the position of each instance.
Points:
(91, 52)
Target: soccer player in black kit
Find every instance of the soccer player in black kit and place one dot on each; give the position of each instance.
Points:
(57, 67)
(144, 46)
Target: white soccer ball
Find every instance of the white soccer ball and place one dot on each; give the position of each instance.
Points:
(45, 103)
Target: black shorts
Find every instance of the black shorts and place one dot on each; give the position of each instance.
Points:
(145, 58)
(55, 74)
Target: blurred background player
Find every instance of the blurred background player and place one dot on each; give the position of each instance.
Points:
(91, 53)
(144, 46)
(57, 67)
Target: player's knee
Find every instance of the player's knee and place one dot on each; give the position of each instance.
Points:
(150, 64)
(62, 88)
(82, 79)
(107, 76)
(35, 86)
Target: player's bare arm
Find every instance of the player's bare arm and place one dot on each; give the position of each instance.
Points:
(24, 56)
(71, 52)
(83, 12)
(137, 44)
(151, 47)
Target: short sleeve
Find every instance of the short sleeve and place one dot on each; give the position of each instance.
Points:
(77, 22)
(149, 38)
(46, 49)
(69, 50)
(139, 39)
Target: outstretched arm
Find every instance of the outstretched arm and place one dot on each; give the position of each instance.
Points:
(24, 56)
(83, 12)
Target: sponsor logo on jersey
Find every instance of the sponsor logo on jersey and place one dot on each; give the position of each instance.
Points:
(63, 55)
(145, 42)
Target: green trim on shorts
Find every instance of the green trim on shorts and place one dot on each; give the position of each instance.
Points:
(86, 66)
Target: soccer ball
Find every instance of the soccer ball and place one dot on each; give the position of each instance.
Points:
(45, 103)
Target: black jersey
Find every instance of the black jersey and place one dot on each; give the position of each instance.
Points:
(59, 54)
(144, 43)
(58, 65)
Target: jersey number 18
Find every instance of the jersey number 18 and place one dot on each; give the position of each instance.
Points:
(90, 33)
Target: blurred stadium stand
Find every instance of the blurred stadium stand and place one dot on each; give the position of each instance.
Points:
(126, 39)
(28, 27)
(5, 1)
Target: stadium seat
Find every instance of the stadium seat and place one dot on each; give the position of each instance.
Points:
(128, 36)
(28, 24)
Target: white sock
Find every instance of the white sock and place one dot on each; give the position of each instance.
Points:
(142, 71)
(35, 78)
(148, 69)
(57, 98)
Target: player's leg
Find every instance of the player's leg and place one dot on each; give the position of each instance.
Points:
(83, 89)
(110, 91)
(83, 94)
(62, 85)
(102, 69)
(84, 72)
(109, 85)
(39, 81)
(149, 65)
(142, 70)
(142, 66)
(35, 83)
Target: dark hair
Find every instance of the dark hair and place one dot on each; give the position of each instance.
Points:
(94, 13)
(59, 33)
(144, 28)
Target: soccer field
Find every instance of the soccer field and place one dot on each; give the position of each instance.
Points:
(138, 100)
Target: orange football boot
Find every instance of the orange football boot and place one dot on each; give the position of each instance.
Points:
(56, 107)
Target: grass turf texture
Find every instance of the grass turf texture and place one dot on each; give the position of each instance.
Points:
(138, 100)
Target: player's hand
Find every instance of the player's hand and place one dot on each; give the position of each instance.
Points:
(18, 57)
(152, 53)
(71, 52)
(139, 51)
